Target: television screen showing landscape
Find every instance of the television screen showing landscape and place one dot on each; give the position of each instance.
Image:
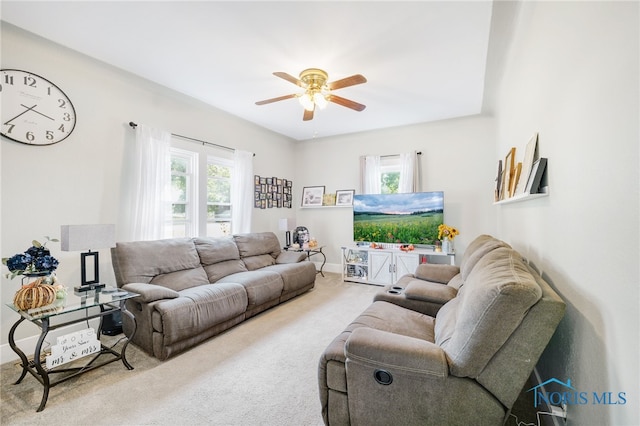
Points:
(411, 218)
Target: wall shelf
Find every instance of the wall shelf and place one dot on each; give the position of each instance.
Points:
(525, 197)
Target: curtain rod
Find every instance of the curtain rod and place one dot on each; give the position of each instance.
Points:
(134, 125)
(395, 155)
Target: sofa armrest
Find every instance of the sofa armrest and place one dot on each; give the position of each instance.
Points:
(291, 257)
(426, 291)
(383, 349)
(438, 273)
(150, 292)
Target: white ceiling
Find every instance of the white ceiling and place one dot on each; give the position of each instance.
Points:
(424, 60)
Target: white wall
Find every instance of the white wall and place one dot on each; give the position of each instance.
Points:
(457, 158)
(572, 76)
(78, 181)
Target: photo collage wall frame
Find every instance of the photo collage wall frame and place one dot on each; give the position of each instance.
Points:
(272, 192)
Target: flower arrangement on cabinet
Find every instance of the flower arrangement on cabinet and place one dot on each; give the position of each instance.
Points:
(36, 260)
(446, 231)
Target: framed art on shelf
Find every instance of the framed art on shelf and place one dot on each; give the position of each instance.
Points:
(509, 167)
(533, 183)
(527, 164)
(344, 197)
(312, 196)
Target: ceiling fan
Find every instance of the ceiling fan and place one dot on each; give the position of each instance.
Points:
(317, 91)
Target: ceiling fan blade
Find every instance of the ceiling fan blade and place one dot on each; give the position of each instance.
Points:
(346, 102)
(280, 98)
(289, 78)
(308, 115)
(346, 82)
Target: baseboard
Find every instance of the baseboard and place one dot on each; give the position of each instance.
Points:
(28, 344)
(545, 420)
(335, 268)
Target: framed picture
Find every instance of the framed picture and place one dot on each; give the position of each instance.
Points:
(527, 164)
(537, 170)
(509, 168)
(344, 197)
(312, 196)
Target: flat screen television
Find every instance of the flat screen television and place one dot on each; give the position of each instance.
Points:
(411, 218)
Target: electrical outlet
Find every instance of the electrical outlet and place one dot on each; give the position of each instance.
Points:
(559, 411)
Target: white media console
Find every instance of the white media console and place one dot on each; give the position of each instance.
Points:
(384, 266)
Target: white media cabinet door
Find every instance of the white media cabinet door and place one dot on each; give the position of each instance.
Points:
(405, 263)
(380, 268)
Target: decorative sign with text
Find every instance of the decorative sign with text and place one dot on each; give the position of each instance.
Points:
(73, 346)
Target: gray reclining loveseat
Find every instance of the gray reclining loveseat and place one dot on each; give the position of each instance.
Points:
(466, 364)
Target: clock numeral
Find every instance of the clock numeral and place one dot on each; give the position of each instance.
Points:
(61, 128)
(8, 79)
(62, 103)
(66, 116)
(11, 126)
(49, 135)
(29, 136)
(30, 81)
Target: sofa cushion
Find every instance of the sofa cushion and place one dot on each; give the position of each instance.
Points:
(219, 257)
(258, 243)
(493, 301)
(261, 286)
(291, 257)
(259, 261)
(180, 280)
(436, 273)
(173, 263)
(149, 292)
(480, 246)
(295, 275)
(428, 291)
(197, 309)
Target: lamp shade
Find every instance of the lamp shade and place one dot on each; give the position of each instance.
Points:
(87, 237)
(286, 224)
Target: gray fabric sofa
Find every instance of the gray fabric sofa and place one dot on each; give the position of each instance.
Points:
(465, 364)
(194, 288)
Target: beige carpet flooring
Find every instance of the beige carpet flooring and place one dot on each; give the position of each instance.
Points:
(261, 372)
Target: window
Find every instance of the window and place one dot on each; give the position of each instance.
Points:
(389, 174)
(183, 193)
(218, 196)
(200, 194)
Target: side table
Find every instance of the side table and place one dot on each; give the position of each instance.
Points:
(311, 251)
(104, 302)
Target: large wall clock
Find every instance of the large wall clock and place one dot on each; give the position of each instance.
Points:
(34, 110)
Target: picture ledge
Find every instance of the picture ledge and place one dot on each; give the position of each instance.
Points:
(525, 197)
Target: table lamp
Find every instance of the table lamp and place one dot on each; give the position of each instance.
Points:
(287, 224)
(88, 237)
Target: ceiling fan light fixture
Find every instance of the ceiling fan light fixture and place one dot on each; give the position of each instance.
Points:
(320, 100)
(306, 101)
(317, 92)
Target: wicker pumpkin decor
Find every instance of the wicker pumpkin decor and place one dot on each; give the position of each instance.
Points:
(34, 295)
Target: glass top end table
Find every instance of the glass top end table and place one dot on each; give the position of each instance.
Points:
(95, 304)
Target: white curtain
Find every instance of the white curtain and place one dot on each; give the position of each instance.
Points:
(409, 173)
(241, 192)
(370, 174)
(150, 203)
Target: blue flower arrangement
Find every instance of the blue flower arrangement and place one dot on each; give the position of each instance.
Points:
(36, 260)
